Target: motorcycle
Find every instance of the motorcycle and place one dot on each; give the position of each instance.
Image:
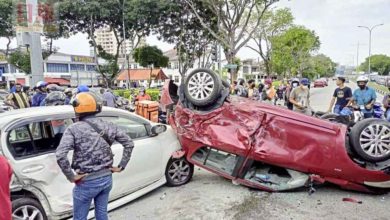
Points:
(350, 115)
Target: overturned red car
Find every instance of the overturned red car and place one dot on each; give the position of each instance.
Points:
(269, 147)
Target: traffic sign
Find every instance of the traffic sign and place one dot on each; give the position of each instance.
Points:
(231, 66)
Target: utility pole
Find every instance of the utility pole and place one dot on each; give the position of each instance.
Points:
(369, 41)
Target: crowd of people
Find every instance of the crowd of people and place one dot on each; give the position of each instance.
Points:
(44, 94)
(295, 95)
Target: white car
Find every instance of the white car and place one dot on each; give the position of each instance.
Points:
(39, 189)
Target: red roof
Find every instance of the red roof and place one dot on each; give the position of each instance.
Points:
(59, 81)
(142, 74)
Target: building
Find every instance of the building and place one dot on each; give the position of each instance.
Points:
(141, 77)
(106, 38)
(59, 68)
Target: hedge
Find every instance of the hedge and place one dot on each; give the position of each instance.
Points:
(154, 93)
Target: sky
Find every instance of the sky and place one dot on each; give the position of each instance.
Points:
(334, 21)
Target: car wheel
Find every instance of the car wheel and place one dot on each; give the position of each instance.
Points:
(179, 171)
(27, 208)
(370, 139)
(202, 87)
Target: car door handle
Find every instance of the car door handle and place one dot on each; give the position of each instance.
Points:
(33, 169)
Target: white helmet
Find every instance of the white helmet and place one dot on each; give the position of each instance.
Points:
(362, 79)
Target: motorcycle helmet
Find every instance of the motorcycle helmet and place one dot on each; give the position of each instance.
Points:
(54, 87)
(41, 84)
(68, 91)
(268, 82)
(294, 82)
(87, 102)
(305, 81)
(82, 88)
(55, 98)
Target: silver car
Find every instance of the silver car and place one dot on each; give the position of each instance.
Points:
(40, 191)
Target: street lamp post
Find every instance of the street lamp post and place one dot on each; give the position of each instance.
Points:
(369, 47)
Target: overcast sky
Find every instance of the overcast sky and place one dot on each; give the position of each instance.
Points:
(334, 21)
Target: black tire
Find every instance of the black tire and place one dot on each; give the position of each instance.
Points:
(29, 204)
(186, 168)
(359, 138)
(330, 117)
(211, 96)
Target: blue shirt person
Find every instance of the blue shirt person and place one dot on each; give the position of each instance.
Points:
(365, 97)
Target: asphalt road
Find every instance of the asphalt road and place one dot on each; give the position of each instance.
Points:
(209, 196)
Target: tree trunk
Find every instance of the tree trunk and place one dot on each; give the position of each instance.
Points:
(150, 76)
(7, 50)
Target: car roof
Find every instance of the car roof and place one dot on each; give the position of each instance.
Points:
(9, 116)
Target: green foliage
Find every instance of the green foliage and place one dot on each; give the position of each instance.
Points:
(379, 63)
(21, 60)
(319, 65)
(154, 93)
(150, 55)
(6, 10)
(274, 23)
(292, 49)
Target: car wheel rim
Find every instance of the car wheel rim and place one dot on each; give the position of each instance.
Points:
(179, 171)
(375, 140)
(27, 212)
(200, 86)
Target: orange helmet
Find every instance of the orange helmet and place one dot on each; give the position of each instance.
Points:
(87, 102)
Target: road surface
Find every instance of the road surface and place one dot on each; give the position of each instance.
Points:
(209, 196)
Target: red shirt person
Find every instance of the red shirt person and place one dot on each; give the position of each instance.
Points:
(5, 197)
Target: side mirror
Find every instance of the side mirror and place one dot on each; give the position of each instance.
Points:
(158, 129)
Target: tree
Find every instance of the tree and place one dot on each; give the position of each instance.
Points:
(179, 26)
(150, 56)
(21, 59)
(239, 19)
(6, 28)
(292, 49)
(273, 24)
(87, 16)
(319, 65)
(379, 63)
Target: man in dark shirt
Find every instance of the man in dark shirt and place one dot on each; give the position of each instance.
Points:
(342, 94)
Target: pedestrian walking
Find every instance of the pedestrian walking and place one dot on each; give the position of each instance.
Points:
(300, 98)
(253, 93)
(92, 167)
(19, 98)
(40, 95)
(294, 83)
(364, 97)
(341, 96)
(5, 197)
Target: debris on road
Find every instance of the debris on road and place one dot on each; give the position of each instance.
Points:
(352, 200)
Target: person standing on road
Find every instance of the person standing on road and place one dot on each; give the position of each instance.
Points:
(342, 94)
(292, 85)
(5, 197)
(40, 95)
(240, 89)
(300, 98)
(90, 139)
(364, 97)
(18, 99)
(109, 98)
(253, 93)
(269, 92)
(386, 104)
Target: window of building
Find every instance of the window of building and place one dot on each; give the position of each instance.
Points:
(176, 65)
(91, 68)
(57, 68)
(4, 68)
(177, 79)
(77, 67)
(135, 66)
